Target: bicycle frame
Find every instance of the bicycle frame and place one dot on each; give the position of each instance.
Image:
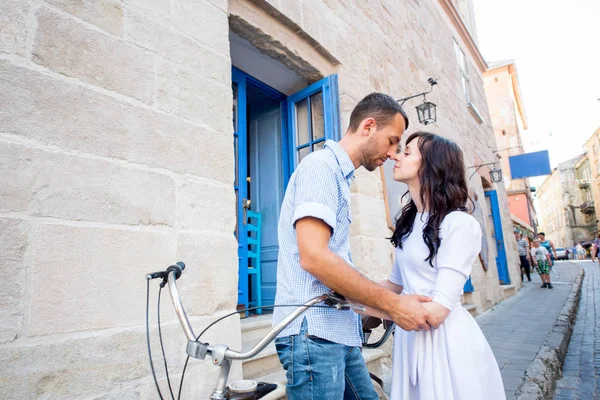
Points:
(221, 354)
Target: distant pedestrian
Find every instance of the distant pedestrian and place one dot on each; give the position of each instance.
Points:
(595, 245)
(580, 252)
(549, 246)
(524, 256)
(541, 260)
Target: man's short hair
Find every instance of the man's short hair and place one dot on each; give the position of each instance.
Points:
(542, 233)
(382, 107)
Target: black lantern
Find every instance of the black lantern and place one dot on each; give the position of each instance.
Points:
(496, 175)
(426, 112)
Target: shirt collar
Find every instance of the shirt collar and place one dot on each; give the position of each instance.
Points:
(342, 158)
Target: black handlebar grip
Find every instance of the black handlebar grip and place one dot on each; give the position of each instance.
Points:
(177, 268)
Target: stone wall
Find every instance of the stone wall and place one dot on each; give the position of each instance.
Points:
(107, 154)
(117, 159)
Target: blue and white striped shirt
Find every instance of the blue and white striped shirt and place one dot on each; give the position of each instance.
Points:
(320, 188)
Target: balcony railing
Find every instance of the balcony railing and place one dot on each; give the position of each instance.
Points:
(587, 208)
(584, 184)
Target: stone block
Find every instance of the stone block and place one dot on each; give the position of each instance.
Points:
(159, 9)
(167, 42)
(375, 227)
(183, 92)
(65, 46)
(202, 205)
(111, 363)
(56, 185)
(13, 26)
(368, 183)
(93, 278)
(213, 30)
(13, 246)
(367, 205)
(211, 277)
(72, 117)
(292, 9)
(372, 257)
(105, 14)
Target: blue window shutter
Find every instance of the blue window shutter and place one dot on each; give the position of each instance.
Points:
(327, 90)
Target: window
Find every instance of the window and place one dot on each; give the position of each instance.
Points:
(313, 117)
(462, 65)
(310, 127)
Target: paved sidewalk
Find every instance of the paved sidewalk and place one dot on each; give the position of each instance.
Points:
(518, 327)
(581, 369)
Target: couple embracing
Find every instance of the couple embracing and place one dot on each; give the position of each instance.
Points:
(440, 353)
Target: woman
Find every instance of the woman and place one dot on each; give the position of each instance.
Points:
(436, 243)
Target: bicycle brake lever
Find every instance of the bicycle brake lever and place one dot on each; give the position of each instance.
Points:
(337, 301)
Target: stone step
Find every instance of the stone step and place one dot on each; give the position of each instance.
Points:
(508, 291)
(471, 308)
(254, 328)
(264, 363)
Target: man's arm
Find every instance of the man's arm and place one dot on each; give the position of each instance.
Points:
(373, 312)
(313, 236)
(553, 248)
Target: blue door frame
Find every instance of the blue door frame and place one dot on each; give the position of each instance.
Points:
(242, 81)
(329, 87)
(501, 261)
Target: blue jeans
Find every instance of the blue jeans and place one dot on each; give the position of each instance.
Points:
(318, 369)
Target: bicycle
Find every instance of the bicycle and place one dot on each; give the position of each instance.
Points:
(222, 355)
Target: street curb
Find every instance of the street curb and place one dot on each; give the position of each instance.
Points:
(539, 382)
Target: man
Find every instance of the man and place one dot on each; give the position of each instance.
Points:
(524, 256)
(321, 349)
(549, 246)
(541, 260)
(595, 245)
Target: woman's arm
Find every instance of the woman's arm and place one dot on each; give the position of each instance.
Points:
(460, 236)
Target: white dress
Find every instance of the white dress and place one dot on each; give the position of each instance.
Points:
(455, 361)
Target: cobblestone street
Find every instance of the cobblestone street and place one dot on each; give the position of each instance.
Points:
(581, 370)
(518, 327)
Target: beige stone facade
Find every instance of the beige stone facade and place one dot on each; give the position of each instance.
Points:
(592, 146)
(565, 217)
(509, 120)
(117, 160)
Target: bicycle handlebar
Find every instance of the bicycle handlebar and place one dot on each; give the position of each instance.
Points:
(232, 354)
(221, 354)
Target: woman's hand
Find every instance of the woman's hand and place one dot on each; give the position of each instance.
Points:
(437, 313)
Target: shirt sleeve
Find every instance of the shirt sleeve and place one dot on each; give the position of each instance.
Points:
(316, 192)
(460, 235)
(395, 276)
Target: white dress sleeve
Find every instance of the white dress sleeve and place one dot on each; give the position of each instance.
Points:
(460, 236)
(396, 276)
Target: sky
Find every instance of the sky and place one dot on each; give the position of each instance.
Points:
(556, 46)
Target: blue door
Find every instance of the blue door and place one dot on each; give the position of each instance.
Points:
(240, 187)
(498, 237)
(266, 175)
(272, 133)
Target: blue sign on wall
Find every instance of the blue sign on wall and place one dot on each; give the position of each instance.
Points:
(530, 164)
